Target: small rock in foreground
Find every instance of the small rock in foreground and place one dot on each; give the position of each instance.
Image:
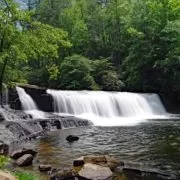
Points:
(95, 172)
(44, 167)
(25, 160)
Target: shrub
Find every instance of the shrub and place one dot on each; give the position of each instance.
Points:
(26, 176)
(3, 161)
(75, 74)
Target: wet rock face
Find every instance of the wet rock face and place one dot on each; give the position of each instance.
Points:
(25, 160)
(43, 100)
(4, 148)
(14, 100)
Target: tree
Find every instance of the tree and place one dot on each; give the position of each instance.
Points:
(75, 74)
(153, 46)
(22, 38)
(105, 75)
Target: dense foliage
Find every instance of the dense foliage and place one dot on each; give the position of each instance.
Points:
(115, 44)
(3, 161)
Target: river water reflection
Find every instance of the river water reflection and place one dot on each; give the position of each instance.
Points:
(151, 145)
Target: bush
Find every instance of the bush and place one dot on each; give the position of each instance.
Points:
(3, 161)
(111, 82)
(105, 75)
(75, 74)
(26, 176)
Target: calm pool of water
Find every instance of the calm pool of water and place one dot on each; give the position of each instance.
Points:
(151, 145)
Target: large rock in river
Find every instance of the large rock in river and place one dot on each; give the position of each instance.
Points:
(95, 172)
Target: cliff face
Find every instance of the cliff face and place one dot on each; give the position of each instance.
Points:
(171, 102)
(43, 100)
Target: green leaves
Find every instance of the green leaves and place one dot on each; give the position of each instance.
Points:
(3, 161)
(22, 38)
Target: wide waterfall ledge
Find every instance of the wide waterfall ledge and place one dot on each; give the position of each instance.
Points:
(101, 108)
(109, 108)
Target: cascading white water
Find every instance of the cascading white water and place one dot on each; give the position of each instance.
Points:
(28, 104)
(108, 108)
(26, 100)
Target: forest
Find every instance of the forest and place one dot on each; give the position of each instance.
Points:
(111, 45)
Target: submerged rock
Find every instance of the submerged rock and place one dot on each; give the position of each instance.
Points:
(44, 167)
(25, 160)
(95, 172)
(72, 138)
(20, 152)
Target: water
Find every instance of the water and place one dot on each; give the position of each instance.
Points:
(26, 100)
(144, 135)
(109, 108)
(153, 145)
(28, 104)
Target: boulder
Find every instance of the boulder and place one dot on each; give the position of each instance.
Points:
(4, 148)
(105, 161)
(79, 161)
(6, 176)
(44, 167)
(72, 138)
(95, 172)
(25, 160)
(20, 152)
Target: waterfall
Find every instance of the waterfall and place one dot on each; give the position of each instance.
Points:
(26, 100)
(28, 104)
(108, 108)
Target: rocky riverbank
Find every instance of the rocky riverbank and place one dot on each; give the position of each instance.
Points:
(17, 125)
(90, 167)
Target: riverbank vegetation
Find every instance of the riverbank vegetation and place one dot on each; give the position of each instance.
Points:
(19, 175)
(98, 45)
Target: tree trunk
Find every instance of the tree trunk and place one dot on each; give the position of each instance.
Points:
(1, 79)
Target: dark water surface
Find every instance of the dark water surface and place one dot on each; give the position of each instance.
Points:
(151, 145)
